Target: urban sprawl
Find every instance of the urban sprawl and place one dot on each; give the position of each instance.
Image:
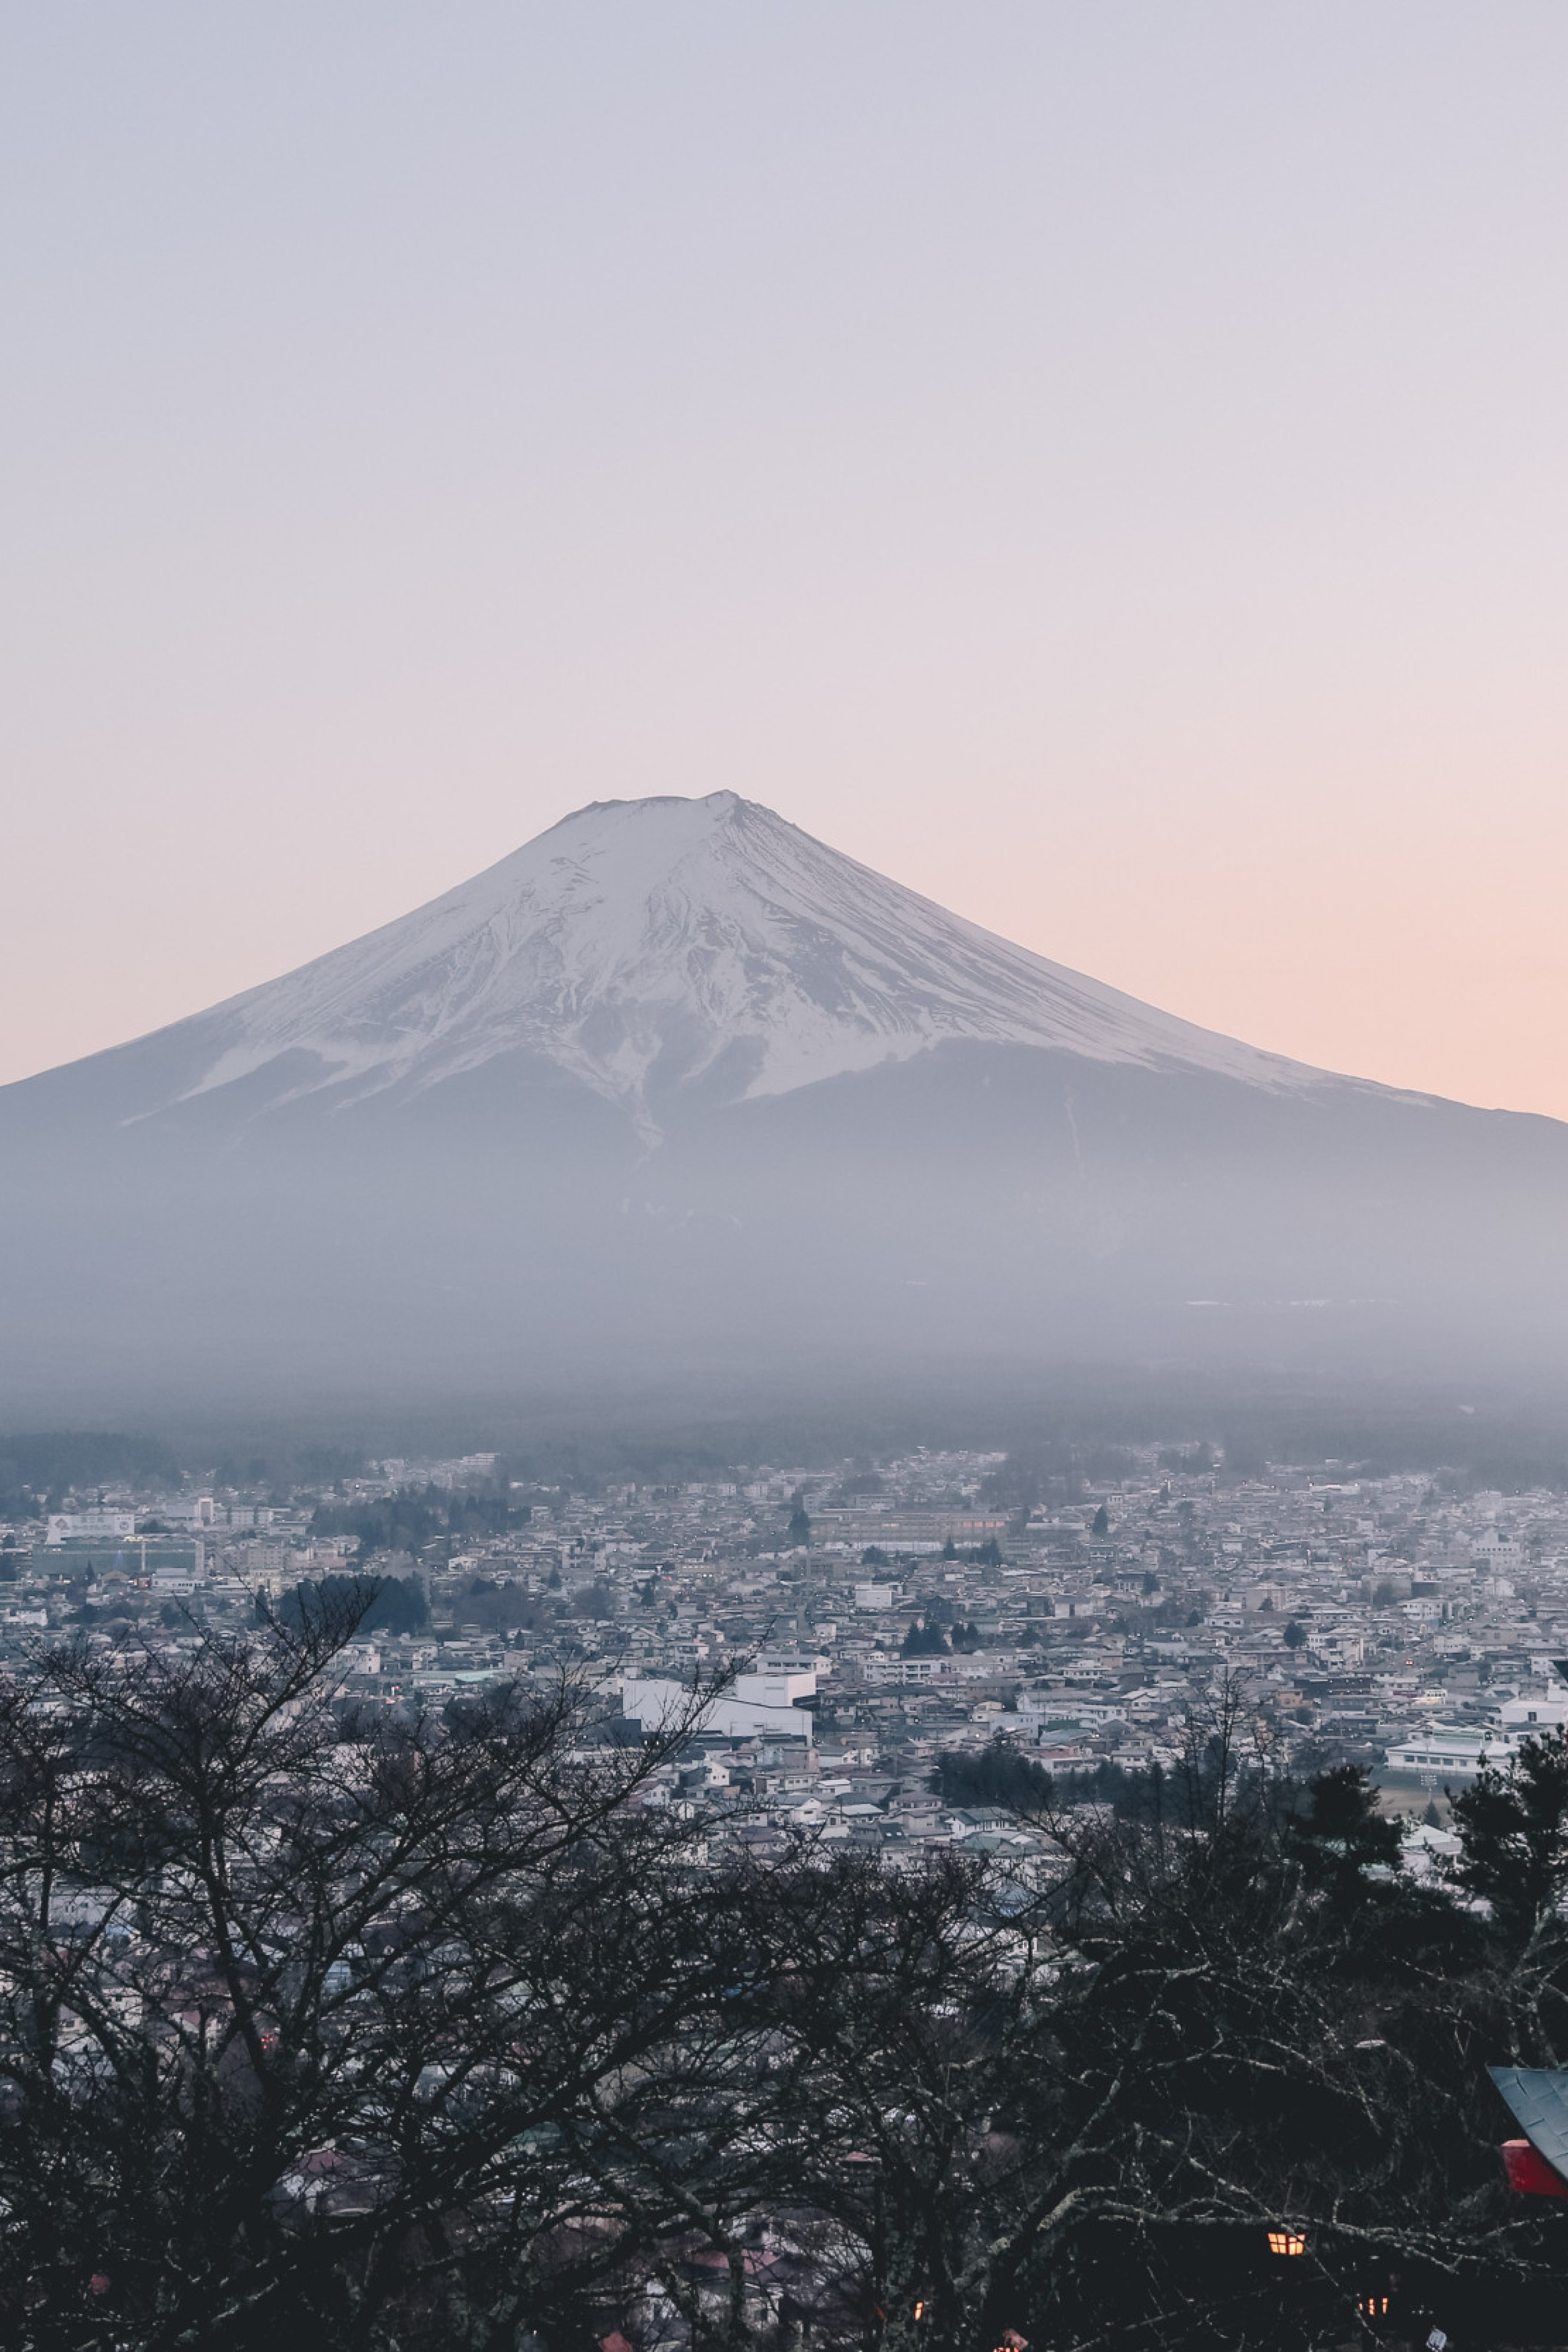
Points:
(857, 1627)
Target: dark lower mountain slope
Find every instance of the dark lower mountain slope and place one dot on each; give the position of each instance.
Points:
(974, 1201)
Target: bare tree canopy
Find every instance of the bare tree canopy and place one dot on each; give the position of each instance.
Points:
(357, 2031)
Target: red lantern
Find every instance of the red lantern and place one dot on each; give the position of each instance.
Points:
(1529, 2172)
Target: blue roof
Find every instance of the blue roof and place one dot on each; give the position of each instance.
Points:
(1537, 2097)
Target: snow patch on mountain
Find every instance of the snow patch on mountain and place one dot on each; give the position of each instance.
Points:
(650, 943)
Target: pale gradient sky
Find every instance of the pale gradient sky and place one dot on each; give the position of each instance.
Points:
(1103, 464)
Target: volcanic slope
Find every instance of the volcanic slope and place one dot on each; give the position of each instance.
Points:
(641, 944)
(677, 1083)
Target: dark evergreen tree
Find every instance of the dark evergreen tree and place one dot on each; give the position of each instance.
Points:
(1513, 1826)
(1339, 1834)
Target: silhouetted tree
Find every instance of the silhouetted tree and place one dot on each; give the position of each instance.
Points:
(282, 2042)
(371, 2032)
(1512, 1822)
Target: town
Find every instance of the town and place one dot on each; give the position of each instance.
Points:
(873, 1633)
(726, 1913)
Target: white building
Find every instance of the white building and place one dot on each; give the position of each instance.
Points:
(182, 1575)
(1451, 1752)
(755, 1704)
(188, 1511)
(97, 1520)
(1535, 1711)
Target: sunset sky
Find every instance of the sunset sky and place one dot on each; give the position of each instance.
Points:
(1105, 464)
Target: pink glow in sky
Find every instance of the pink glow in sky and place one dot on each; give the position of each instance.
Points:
(1103, 466)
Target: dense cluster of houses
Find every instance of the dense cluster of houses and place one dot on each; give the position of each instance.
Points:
(854, 1624)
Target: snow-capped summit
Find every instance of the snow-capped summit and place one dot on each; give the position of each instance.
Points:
(641, 943)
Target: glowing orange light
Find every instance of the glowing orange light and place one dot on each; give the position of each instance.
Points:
(1287, 2242)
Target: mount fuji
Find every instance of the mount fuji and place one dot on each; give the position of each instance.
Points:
(675, 1086)
(645, 948)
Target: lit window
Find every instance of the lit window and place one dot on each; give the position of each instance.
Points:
(1287, 2242)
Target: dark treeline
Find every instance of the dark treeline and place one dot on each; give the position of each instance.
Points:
(1459, 1450)
(337, 2031)
(416, 1516)
(37, 1471)
(1072, 1421)
(392, 1604)
(1062, 1435)
(1002, 1777)
(998, 1775)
